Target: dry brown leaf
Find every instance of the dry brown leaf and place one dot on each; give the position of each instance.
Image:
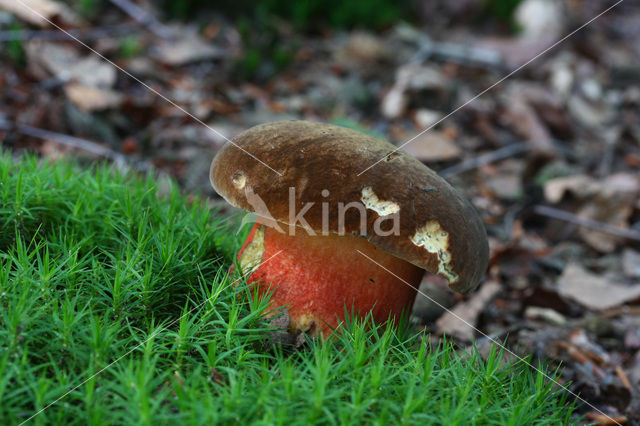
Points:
(593, 351)
(603, 419)
(423, 77)
(217, 377)
(609, 201)
(545, 314)
(394, 102)
(631, 263)
(613, 204)
(506, 181)
(65, 63)
(581, 186)
(590, 113)
(37, 12)
(90, 99)
(54, 150)
(609, 211)
(362, 50)
(593, 291)
(190, 48)
(515, 52)
(411, 78)
(538, 19)
(461, 320)
(433, 146)
(525, 121)
(425, 117)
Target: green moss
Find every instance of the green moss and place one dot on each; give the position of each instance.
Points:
(116, 307)
(14, 49)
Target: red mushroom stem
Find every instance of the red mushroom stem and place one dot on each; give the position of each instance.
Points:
(315, 277)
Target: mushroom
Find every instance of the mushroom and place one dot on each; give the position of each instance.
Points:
(348, 238)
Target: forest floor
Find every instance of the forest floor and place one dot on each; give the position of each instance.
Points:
(543, 138)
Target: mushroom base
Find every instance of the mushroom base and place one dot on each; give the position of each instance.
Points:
(317, 277)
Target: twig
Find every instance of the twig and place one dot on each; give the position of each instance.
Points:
(484, 159)
(587, 223)
(120, 160)
(452, 52)
(478, 56)
(611, 139)
(55, 35)
(143, 17)
(71, 141)
(621, 310)
(623, 378)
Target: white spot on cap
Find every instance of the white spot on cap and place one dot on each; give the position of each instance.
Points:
(372, 202)
(435, 240)
(239, 180)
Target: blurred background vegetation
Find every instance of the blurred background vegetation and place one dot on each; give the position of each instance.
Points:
(268, 27)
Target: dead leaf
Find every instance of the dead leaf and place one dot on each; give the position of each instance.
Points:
(593, 351)
(605, 420)
(524, 120)
(539, 19)
(433, 146)
(37, 12)
(426, 118)
(130, 145)
(623, 377)
(631, 263)
(281, 336)
(90, 99)
(593, 291)
(505, 180)
(545, 314)
(590, 113)
(461, 320)
(609, 211)
(581, 186)
(632, 337)
(514, 51)
(54, 150)
(190, 48)
(217, 377)
(66, 64)
(394, 102)
(610, 201)
(423, 77)
(412, 78)
(613, 204)
(362, 51)
(439, 298)
(561, 74)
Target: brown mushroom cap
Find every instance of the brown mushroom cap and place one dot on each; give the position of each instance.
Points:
(439, 230)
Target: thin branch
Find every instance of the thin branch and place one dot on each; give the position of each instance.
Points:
(429, 49)
(71, 141)
(484, 159)
(143, 17)
(459, 53)
(120, 160)
(554, 213)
